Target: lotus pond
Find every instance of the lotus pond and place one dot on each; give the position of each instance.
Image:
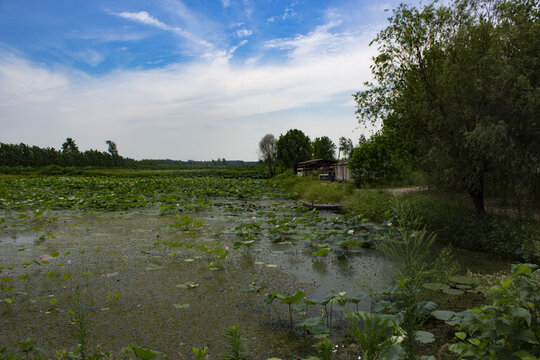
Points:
(169, 263)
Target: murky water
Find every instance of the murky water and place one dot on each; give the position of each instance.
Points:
(165, 298)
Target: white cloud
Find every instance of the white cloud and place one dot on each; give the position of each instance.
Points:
(226, 3)
(91, 57)
(243, 33)
(287, 13)
(319, 42)
(144, 17)
(201, 110)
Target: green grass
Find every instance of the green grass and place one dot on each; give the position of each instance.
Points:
(372, 204)
(312, 189)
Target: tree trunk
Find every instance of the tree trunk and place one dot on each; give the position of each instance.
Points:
(476, 191)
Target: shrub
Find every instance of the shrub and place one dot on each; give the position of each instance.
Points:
(508, 328)
(454, 220)
(371, 204)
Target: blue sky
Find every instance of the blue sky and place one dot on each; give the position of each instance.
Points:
(182, 79)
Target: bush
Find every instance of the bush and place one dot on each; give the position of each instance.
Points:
(455, 221)
(372, 204)
(508, 328)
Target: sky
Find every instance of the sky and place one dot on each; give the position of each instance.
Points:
(183, 80)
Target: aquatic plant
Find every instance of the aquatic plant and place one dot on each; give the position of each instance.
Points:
(374, 333)
(237, 344)
(289, 300)
(507, 328)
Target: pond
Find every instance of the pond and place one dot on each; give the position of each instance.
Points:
(169, 276)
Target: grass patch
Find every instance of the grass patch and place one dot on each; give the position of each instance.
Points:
(312, 189)
(371, 204)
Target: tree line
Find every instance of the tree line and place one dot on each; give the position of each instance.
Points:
(12, 155)
(294, 146)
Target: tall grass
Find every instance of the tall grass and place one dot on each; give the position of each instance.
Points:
(312, 189)
(374, 205)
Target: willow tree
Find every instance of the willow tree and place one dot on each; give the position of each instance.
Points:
(460, 86)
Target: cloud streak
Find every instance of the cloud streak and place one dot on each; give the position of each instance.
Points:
(145, 18)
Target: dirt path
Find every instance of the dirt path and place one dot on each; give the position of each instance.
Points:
(405, 190)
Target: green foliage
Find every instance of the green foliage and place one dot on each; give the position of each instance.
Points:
(200, 354)
(26, 350)
(293, 147)
(345, 147)
(237, 344)
(375, 160)
(374, 333)
(324, 348)
(371, 204)
(457, 87)
(410, 250)
(145, 354)
(508, 328)
(312, 189)
(81, 322)
(453, 219)
(324, 148)
(22, 155)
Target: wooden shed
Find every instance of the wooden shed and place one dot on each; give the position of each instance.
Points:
(311, 167)
(342, 172)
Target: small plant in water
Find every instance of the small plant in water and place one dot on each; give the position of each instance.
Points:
(237, 344)
(374, 334)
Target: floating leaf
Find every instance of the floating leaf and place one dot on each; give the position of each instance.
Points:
(187, 285)
(66, 276)
(144, 354)
(153, 267)
(271, 265)
(434, 286)
(181, 306)
(453, 291)
(425, 337)
(189, 260)
(259, 263)
(53, 301)
(443, 315)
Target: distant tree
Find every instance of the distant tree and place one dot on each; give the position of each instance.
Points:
(345, 147)
(113, 150)
(293, 147)
(324, 148)
(268, 152)
(69, 146)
